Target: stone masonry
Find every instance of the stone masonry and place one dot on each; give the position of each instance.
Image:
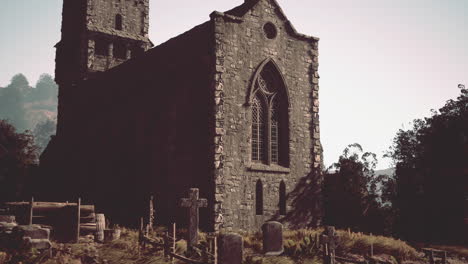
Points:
(180, 115)
(241, 46)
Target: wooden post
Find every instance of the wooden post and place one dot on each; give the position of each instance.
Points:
(31, 211)
(431, 257)
(166, 245)
(173, 248)
(349, 231)
(317, 241)
(141, 235)
(78, 216)
(151, 214)
(326, 259)
(444, 257)
(372, 250)
(215, 250)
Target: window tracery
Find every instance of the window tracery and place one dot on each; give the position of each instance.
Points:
(269, 118)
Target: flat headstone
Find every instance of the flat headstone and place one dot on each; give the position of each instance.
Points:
(230, 249)
(7, 218)
(272, 238)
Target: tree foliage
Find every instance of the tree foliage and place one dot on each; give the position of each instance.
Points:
(24, 106)
(12, 99)
(430, 188)
(17, 153)
(42, 133)
(352, 192)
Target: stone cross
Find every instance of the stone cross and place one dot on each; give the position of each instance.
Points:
(329, 239)
(193, 203)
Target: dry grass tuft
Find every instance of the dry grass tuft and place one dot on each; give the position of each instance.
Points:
(360, 244)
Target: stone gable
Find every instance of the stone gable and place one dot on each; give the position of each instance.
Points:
(242, 44)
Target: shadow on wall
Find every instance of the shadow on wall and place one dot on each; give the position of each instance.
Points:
(306, 203)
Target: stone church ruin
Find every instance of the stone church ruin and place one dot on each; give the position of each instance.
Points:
(229, 107)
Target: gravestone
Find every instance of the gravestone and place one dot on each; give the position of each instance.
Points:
(230, 249)
(193, 204)
(272, 238)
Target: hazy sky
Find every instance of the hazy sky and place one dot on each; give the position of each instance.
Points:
(382, 63)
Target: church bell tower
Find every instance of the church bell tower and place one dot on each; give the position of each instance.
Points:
(96, 36)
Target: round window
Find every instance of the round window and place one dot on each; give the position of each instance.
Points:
(270, 30)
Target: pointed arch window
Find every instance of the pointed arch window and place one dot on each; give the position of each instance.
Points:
(259, 198)
(269, 105)
(282, 198)
(258, 129)
(118, 22)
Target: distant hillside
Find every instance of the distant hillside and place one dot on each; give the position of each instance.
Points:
(388, 172)
(25, 106)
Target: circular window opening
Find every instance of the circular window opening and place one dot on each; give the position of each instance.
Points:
(270, 30)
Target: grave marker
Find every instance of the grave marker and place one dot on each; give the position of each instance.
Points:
(272, 238)
(193, 203)
(230, 249)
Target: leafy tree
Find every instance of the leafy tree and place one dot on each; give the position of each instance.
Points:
(17, 153)
(12, 101)
(42, 133)
(46, 88)
(352, 192)
(430, 187)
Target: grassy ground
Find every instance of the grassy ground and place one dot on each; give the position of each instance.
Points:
(300, 248)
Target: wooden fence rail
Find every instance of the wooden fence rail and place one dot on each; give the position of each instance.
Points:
(66, 220)
(169, 247)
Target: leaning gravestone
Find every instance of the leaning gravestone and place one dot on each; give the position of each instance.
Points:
(272, 238)
(230, 249)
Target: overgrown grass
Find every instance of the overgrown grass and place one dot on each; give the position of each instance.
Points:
(460, 251)
(300, 247)
(302, 244)
(360, 244)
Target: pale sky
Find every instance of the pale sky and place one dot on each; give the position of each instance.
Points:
(382, 63)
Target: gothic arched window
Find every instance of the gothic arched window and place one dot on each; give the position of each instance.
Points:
(270, 118)
(259, 198)
(258, 129)
(118, 22)
(282, 198)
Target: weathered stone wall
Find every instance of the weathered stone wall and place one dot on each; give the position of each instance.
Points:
(91, 42)
(102, 14)
(141, 129)
(241, 46)
(179, 117)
